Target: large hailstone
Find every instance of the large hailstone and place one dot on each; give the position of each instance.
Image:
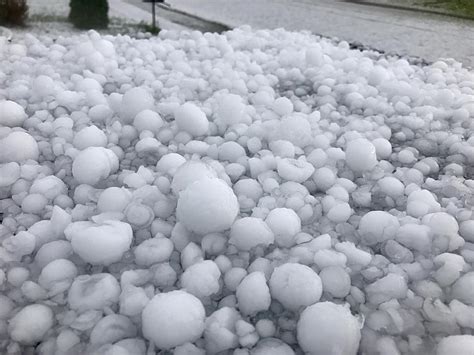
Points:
(361, 155)
(207, 206)
(249, 232)
(377, 227)
(328, 328)
(31, 324)
(191, 119)
(295, 285)
(17, 147)
(201, 279)
(285, 224)
(133, 102)
(190, 172)
(100, 244)
(11, 114)
(172, 319)
(94, 164)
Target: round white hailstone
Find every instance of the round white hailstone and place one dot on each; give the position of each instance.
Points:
(18, 275)
(90, 136)
(220, 330)
(466, 229)
(231, 109)
(391, 186)
(100, 244)
(34, 203)
(249, 232)
(233, 277)
(9, 173)
(295, 129)
(58, 275)
(421, 202)
(249, 188)
(441, 223)
(6, 306)
(207, 206)
(94, 164)
(383, 148)
(31, 324)
(132, 300)
(271, 346)
(297, 170)
(361, 155)
(283, 106)
(377, 227)
(328, 328)
(112, 328)
(43, 86)
(153, 251)
(148, 120)
(18, 147)
(387, 288)
(295, 285)
(191, 119)
(96, 291)
(339, 213)
(285, 224)
(230, 151)
(49, 186)
(172, 319)
(201, 279)
(253, 294)
(456, 344)
(336, 281)
(11, 114)
(324, 178)
(462, 289)
(114, 199)
(283, 149)
(190, 172)
(133, 102)
(169, 163)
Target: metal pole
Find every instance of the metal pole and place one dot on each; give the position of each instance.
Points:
(153, 12)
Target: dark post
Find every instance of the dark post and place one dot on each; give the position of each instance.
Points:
(153, 12)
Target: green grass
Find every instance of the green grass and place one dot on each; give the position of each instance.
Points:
(463, 8)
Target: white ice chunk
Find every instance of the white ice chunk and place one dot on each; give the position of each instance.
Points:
(11, 114)
(94, 164)
(17, 147)
(361, 155)
(31, 324)
(191, 119)
(285, 224)
(253, 294)
(249, 232)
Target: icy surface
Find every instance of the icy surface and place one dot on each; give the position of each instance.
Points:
(261, 192)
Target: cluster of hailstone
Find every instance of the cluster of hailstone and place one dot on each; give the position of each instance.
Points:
(255, 192)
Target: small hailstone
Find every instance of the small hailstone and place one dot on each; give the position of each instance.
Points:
(391, 186)
(324, 178)
(112, 328)
(100, 244)
(387, 288)
(114, 199)
(148, 120)
(94, 164)
(17, 147)
(283, 106)
(191, 119)
(58, 275)
(249, 232)
(361, 155)
(9, 173)
(11, 114)
(172, 319)
(231, 109)
(253, 294)
(34, 203)
(220, 333)
(297, 170)
(340, 212)
(169, 163)
(206, 206)
(153, 251)
(31, 324)
(285, 224)
(336, 281)
(230, 151)
(295, 285)
(338, 331)
(272, 346)
(383, 148)
(49, 186)
(201, 279)
(462, 289)
(295, 129)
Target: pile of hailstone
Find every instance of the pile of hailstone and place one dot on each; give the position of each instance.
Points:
(256, 192)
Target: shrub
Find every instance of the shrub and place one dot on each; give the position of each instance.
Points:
(13, 12)
(87, 14)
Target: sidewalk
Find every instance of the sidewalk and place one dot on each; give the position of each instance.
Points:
(401, 32)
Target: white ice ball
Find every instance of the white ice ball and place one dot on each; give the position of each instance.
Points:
(191, 119)
(31, 324)
(207, 206)
(11, 114)
(249, 232)
(201, 279)
(295, 285)
(133, 102)
(172, 319)
(253, 294)
(285, 224)
(94, 164)
(361, 155)
(328, 328)
(90, 136)
(190, 172)
(17, 147)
